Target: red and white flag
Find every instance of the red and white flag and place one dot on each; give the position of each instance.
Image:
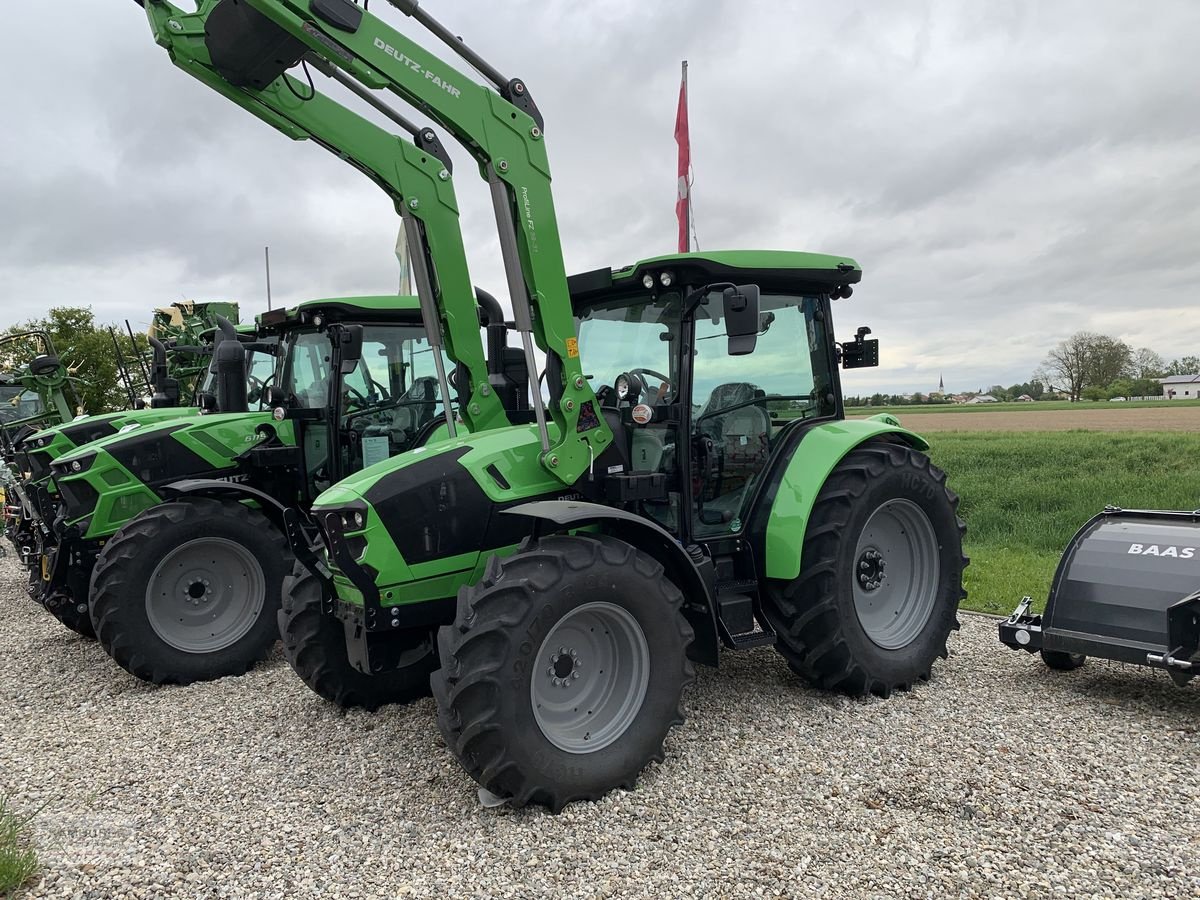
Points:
(683, 204)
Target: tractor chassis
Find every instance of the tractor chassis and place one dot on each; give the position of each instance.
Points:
(1180, 657)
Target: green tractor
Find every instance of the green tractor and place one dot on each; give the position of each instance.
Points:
(696, 488)
(64, 594)
(183, 580)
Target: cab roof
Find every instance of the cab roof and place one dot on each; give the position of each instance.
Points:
(770, 269)
(337, 308)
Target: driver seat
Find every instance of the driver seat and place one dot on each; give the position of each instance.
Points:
(418, 405)
(741, 437)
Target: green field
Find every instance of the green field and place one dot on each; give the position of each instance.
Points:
(1040, 406)
(1024, 494)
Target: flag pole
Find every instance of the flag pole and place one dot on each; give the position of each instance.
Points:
(267, 257)
(687, 212)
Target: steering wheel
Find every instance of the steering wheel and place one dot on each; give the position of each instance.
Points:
(357, 395)
(665, 384)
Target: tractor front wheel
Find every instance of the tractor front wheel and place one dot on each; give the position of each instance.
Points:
(188, 591)
(881, 575)
(563, 670)
(314, 642)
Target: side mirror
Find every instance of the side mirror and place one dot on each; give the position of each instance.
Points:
(350, 339)
(741, 318)
(859, 353)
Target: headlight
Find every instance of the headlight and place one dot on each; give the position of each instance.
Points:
(648, 281)
(622, 386)
(666, 279)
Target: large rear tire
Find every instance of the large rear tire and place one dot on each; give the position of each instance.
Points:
(563, 670)
(880, 578)
(188, 591)
(314, 642)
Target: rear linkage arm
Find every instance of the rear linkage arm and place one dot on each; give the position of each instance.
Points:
(502, 128)
(416, 176)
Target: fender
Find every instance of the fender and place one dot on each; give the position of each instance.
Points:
(227, 490)
(790, 502)
(699, 607)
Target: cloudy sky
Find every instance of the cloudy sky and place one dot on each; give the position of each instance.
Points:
(1005, 173)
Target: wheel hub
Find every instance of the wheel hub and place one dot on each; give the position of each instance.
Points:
(594, 676)
(871, 568)
(896, 573)
(205, 595)
(564, 667)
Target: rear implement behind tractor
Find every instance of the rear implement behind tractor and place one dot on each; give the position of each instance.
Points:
(1127, 589)
(707, 492)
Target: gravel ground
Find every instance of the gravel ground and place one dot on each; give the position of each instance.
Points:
(997, 779)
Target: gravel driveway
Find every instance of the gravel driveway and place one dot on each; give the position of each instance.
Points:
(998, 779)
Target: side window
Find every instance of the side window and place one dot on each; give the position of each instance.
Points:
(308, 371)
(740, 403)
(261, 373)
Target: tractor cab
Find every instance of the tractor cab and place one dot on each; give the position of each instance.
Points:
(702, 366)
(358, 379)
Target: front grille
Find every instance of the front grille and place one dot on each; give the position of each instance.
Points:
(79, 498)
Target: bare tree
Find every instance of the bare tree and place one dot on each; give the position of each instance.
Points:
(1066, 366)
(1145, 363)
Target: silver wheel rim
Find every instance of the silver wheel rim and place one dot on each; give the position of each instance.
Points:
(205, 595)
(590, 677)
(896, 574)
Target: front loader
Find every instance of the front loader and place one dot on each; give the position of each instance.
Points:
(1128, 589)
(705, 492)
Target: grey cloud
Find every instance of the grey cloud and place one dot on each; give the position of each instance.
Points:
(1006, 173)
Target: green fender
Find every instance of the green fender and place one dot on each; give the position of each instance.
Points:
(818, 454)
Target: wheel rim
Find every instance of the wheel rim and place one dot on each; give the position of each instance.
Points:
(590, 678)
(205, 595)
(896, 574)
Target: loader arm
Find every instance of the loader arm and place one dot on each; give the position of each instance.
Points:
(417, 178)
(500, 126)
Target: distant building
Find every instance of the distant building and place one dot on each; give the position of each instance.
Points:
(1024, 398)
(982, 398)
(1181, 387)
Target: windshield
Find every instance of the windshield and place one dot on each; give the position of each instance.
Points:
(636, 337)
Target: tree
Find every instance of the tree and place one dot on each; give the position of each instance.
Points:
(1085, 360)
(1109, 359)
(1145, 363)
(1185, 365)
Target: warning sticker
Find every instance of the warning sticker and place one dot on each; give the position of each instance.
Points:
(573, 347)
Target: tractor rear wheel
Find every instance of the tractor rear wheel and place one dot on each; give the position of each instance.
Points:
(880, 579)
(314, 642)
(563, 670)
(188, 591)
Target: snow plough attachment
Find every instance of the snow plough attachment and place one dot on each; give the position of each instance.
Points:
(1127, 589)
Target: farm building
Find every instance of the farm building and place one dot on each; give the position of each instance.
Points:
(1024, 398)
(982, 398)
(1181, 387)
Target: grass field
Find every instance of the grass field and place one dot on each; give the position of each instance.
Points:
(1041, 406)
(18, 862)
(1024, 494)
